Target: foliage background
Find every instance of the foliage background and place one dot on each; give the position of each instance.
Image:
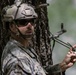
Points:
(63, 11)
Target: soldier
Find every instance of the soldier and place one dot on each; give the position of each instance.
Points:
(18, 58)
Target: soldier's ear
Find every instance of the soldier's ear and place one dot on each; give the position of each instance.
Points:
(13, 28)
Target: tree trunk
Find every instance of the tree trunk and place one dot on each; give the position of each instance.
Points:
(41, 39)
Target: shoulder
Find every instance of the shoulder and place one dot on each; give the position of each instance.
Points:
(11, 46)
(12, 62)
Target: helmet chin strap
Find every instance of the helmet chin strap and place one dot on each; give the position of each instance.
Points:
(20, 33)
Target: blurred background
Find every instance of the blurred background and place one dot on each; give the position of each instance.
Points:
(63, 11)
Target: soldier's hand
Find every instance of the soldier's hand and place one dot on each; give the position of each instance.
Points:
(69, 59)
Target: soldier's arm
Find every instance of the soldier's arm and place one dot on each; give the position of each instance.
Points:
(54, 69)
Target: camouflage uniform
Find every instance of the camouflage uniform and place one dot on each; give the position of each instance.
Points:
(19, 60)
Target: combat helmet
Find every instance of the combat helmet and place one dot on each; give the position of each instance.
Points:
(18, 11)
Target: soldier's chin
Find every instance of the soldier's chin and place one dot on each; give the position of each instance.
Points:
(28, 36)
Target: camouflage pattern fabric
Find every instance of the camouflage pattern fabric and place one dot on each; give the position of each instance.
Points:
(18, 60)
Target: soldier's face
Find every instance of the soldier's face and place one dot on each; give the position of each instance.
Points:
(26, 27)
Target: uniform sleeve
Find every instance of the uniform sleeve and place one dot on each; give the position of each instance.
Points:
(16, 70)
(16, 63)
(17, 67)
(54, 70)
